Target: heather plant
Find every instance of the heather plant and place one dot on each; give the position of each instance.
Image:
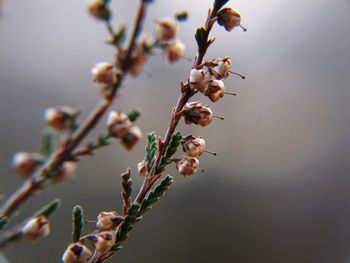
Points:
(59, 157)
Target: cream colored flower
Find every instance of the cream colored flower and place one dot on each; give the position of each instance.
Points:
(118, 123)
(77, 253)
(199, 79)
(108, 220)
(166, 29)
(187, 166)
(216, 90)
(174, 50)
(36, 228)
(193, 146)
(229, 18)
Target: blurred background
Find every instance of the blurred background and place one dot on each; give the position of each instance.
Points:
(278, 191)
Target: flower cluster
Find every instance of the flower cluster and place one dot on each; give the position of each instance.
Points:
(121, 127)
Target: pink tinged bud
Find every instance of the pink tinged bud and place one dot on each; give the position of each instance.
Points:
(195, 113)
(193, 146)
(229, 18)
(142, 168)
(220, 67)
(98, 9)
(118, 123)
(166, 29)
(216, 90)
(66, 172)
(36, 228)
(26, 163)
(187, 166)
(104, 241)
(130, 139)
(61, 117)
(77, 253)
(174, 50)
(108, 220)
(104, 73)
(199, 80)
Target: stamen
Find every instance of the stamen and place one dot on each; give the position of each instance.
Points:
(218, 117)
(212, 153)
(237, 74)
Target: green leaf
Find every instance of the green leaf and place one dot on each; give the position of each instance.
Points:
(48, 209)
(151, 150)
(169, 152)
(130, 219)
(3, 222)
(47, 142)
(126, 185)
(134, 115)
(120, 36)
(78, 223)
(154, 195)
(116, 247)
(201, 37)
(220, 3)
(181, 16)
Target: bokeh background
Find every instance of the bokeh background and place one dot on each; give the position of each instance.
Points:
(278, 191)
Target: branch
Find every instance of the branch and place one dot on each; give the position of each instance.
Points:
(39, 180)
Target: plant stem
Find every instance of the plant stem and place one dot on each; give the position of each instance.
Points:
(185, 96)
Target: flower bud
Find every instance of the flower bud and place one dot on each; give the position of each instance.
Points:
(26, 163)
(98, 9)
(132, 136)
(118, 123)
(220, 67)
(104, 73)
(216, 90)
(174, 50)
(76, 253)
(195, 113)
(166, 29)
(104, 241)
(37, 227)
(108, 220)
(229, 18)
(66, 172)
(142, 168)
(199, 79)
(187, 166)
(193, 146)
(60, 117)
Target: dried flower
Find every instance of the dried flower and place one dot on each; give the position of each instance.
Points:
(60, 117)
(66, 172)
(76, 253)
(104, 241)
(108, 220)
(98, 9)
(195, 113)
(166, 29)
(199, 79)
(216, 90)
(139, 59)
(187, 166)
(37, 227)
(174, 50)
(130, 139)
(193, 146)
(229, 18)
(118, 123)
(220, 67)
(26, 163)
(142, 168)
(104, 73)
